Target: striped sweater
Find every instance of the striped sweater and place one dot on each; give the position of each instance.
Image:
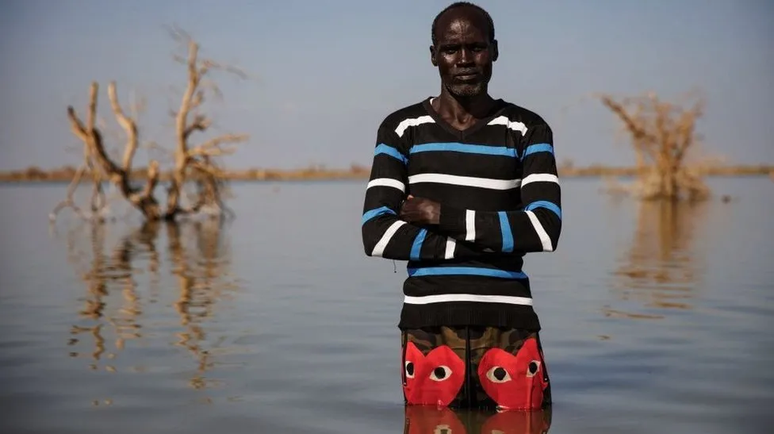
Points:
(500, 198)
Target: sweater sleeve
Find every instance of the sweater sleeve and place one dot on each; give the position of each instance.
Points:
(384, 234)
(534, 228)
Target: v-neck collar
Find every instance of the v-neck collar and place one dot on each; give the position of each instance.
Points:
(462, 134)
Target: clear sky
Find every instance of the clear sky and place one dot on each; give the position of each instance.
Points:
(329, 71)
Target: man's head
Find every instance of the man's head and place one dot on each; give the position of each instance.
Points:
(464, 48)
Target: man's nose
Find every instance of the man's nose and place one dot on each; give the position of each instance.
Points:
(465, 57)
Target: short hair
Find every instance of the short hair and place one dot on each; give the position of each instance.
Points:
(462, 4)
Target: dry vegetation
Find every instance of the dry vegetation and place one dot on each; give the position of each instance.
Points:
(194, 163)
(313, 173)
(663, 135)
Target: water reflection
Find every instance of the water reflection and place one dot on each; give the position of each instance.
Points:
(198, 261)
(662, 267)
(433, 420)
(202, 281)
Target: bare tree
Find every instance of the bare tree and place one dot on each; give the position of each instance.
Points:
(195, 163)
(662, 134)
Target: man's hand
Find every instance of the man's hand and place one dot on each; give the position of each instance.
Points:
(420, 211)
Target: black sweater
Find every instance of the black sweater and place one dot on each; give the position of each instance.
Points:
(500, 198)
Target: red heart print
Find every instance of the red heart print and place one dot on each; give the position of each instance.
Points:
(434, 379)
(514, 382)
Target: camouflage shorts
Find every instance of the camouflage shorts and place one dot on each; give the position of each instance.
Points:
(474, 367)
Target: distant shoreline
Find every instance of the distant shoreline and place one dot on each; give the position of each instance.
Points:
(320, 173)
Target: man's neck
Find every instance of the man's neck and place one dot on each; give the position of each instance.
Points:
(462, 112)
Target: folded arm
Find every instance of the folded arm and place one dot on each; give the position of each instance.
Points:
(536, 227)
(384, 234)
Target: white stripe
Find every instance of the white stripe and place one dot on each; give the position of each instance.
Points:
(540, 177)
(412, 122)
(515, 126)
(446, 298)
(541, 233)
(451, 245)
(467, 181)
(470, 225)
(387, 182)
(382, 244)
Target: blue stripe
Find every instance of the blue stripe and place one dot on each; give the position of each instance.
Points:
(505, 229)
(416, 248)
(547, 205)
(392, 152)
(376, 212)
(464, 148)
(466, 271)
(539, 147)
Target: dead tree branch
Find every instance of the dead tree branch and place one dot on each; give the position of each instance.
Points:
(195, 160)
(69, 201)
(119, 175)
(98, 201)
(194, 163)
(662, 134)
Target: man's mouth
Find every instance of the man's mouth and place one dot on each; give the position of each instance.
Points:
(467, 75)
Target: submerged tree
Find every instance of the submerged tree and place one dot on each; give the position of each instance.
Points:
(195, 163)
(662, 134)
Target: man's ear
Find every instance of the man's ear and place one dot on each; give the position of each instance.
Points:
(432, 56)
(495, 51)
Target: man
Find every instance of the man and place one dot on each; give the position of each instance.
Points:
(462, 186)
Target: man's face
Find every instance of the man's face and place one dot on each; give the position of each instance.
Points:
(463, 53)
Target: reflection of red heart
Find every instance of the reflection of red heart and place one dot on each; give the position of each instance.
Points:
(514, 382)
(434, 379)
(516, 422)
(422, 419)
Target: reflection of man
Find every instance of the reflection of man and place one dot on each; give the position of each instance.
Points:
(462, 185)
(427, 419)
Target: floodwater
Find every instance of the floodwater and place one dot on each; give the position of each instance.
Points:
(656, 319)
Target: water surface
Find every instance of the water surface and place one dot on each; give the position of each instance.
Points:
(656, 318)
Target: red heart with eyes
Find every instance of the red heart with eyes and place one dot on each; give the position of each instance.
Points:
(434, 379)
(514, 382)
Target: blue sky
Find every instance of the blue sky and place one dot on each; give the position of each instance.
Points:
(328, 72)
